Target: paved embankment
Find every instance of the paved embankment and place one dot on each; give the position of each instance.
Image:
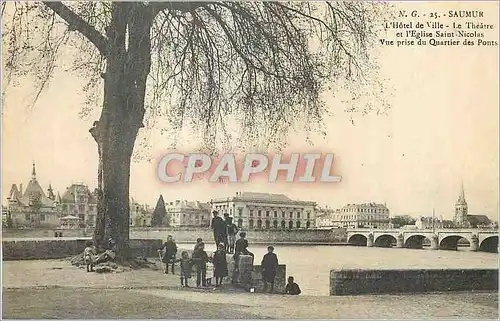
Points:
(55, 289)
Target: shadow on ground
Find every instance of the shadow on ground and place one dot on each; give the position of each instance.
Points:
(64, 303)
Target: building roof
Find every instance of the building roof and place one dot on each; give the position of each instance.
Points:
(70, 193)
(32, 192)
(263, 197)
(34, 189)
(191, 205)
(478, 219)
(14, 193)
(366, 205)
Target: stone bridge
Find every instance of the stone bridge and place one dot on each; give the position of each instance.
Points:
(447, 239)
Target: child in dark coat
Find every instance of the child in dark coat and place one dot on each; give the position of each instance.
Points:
(220, 265)
(292, 288)
(269, 267)
(200, 259)
(169, 251)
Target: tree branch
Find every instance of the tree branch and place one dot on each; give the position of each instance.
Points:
(75, 22)
(184, 6)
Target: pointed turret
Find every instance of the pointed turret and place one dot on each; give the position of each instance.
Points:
(50, 193)
(33, 172)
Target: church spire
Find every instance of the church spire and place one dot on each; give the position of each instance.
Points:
(33, 172)
(461, 198)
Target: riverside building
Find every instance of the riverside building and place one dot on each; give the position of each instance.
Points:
(183, 213)
(267, 211)
(32, 207)
(368, 215)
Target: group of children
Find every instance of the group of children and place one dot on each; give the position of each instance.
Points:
(215, 266)
(207, 267)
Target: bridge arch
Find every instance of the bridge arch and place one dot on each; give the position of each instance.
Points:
(385, 240)
(450, 242)
(358, 240)
(416, 241)
(489, 244)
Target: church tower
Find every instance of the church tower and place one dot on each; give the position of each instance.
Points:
(461, 209)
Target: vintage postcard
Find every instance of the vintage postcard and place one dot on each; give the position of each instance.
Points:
(250, 159)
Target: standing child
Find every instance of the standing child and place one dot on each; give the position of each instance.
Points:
(186, 267)
(200, 259)
(169, 251)
(269, 267)
(232, 230)
(88, 256)
(220, 265)
(210, 271)
(198, 241)
(292, 288)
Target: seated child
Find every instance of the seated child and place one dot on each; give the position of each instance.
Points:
(292, 288)
(88, 256)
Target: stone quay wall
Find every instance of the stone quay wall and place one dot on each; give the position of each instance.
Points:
(357, 282)
(253, 236)
(189, 235)
(56, 249)
(250, 276)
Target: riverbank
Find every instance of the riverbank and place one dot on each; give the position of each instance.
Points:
(56, 289)
(256, 236)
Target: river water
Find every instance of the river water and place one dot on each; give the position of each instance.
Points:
(311, 265)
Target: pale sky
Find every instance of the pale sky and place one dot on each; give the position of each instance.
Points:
(442, 130)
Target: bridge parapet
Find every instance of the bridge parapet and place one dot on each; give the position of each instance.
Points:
(439, 238)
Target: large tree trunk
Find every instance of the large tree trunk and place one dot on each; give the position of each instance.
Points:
(121, 119)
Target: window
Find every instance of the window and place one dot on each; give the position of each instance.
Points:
(283, 214)
(81, 208)
(259, 213)
(267, 213)
(240, 211)
(250, 224)
(251, 212)
(64, 207)
(259, 224)
(42, 217)
(276, 214)
(27, 216)
(298, 214)
(308, 214)
(291, 214)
